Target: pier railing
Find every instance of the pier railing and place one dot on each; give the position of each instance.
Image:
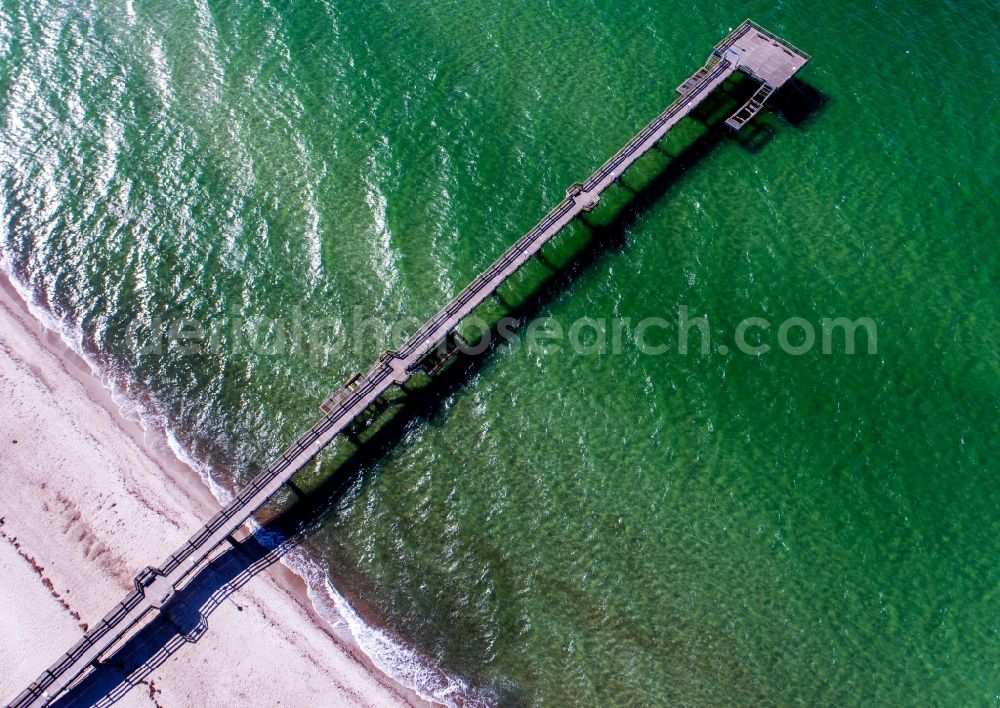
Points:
(748, 25)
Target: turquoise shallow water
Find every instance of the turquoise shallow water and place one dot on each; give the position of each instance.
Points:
(620, 527)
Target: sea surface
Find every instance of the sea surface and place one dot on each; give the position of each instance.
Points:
(230, 207)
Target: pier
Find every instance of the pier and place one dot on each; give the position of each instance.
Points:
(749, 49)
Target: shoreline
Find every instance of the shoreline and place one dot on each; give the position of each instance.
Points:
(27, 344)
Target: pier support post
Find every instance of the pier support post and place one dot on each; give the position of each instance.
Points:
(352, 436)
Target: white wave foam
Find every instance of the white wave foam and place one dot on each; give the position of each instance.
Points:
(221, 494)
(70, 337)
(404, 665)
(401, 663)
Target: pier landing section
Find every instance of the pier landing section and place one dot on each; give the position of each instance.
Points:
(763, 56)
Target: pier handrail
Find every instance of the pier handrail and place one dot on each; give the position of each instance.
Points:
(746, 26)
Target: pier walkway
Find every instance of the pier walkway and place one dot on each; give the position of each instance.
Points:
(748, 49)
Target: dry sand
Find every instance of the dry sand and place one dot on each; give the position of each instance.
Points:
(87, 498)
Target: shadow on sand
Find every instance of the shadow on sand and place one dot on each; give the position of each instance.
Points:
(185, 619)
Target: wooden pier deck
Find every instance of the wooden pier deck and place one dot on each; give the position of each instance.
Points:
(749, 49)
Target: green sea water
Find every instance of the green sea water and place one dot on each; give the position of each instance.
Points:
(555, 528)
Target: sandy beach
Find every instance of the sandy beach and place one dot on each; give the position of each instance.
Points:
(89, 498)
